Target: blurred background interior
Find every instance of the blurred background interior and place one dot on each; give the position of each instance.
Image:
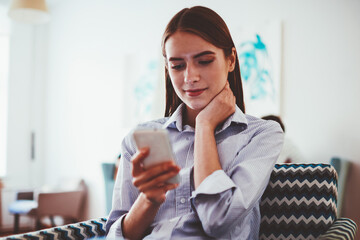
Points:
(73, 86)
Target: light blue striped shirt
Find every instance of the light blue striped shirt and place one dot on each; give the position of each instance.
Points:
(226, 203)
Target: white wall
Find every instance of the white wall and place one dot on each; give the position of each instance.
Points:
(4, 62)
(90, 43)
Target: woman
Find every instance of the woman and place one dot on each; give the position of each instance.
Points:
(225, 156)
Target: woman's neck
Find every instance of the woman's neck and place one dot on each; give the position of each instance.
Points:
(189, 116)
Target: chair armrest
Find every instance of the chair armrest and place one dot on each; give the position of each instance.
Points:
(28, 195)
(343, 228)
(94, 228)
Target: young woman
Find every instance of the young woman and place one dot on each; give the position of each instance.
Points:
(225, 156)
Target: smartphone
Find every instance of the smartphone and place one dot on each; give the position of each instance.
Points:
(157, 140)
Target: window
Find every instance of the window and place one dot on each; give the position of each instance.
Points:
(4, 67)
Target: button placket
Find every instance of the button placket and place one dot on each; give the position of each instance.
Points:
(183, 191)
(182, 195)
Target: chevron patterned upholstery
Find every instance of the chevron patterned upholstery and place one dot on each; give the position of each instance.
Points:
(82, 230)
(342, 229)
(299, 202)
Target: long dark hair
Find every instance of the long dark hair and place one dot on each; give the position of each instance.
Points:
(208, 25)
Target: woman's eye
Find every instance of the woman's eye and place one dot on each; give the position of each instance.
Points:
(205, 62)
(178, 66)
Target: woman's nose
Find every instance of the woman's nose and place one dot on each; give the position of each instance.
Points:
(191, 74)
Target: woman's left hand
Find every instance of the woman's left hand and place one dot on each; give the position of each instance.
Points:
(220, 108)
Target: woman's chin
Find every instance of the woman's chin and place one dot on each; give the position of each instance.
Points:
(197, 106)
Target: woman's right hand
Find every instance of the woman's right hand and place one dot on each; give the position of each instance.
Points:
(219, 108)
(152, 182)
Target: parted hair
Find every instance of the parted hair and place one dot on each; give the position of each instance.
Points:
(208, 25)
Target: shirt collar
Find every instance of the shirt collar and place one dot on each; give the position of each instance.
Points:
(175, 121)
(237, 118)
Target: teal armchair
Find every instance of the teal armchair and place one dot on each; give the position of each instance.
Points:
(108, 173)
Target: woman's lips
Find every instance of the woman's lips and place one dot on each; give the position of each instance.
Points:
(194, 92)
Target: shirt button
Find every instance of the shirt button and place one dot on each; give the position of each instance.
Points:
(182, 200)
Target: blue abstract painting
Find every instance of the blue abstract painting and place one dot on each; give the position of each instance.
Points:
(145, 90)
(259, 56)
(140, 90)
(254, 72)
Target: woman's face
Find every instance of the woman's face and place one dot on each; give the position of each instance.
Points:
(198, 69)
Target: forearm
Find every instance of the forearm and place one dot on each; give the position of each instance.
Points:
(226, 197)
(139, 218)
(218, 212)
(206, 158)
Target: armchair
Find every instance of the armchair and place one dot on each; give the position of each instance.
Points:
(108, 173)
(67, 204)
(299, 203)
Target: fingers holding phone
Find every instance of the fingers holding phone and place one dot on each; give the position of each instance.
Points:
(153, 181)
(159, 148)
(137, 165)
(154, 167)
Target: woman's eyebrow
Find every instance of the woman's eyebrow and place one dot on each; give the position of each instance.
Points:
(196, 56)
(203, 53)
(175, 59)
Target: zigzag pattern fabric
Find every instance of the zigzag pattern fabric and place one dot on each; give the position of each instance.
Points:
(77, 231)
(299, 202)
(342, 229)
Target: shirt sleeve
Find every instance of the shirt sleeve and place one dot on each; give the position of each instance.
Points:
(223, 199)
(124, 194)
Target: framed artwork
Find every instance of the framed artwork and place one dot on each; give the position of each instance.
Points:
(259, 52)
(143, 90)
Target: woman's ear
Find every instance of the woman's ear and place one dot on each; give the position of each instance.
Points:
(232, 59)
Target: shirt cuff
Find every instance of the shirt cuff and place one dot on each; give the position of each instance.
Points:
(215, 183)
(116, 229)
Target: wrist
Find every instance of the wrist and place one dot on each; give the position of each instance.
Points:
(148, 202)
(204, 125)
